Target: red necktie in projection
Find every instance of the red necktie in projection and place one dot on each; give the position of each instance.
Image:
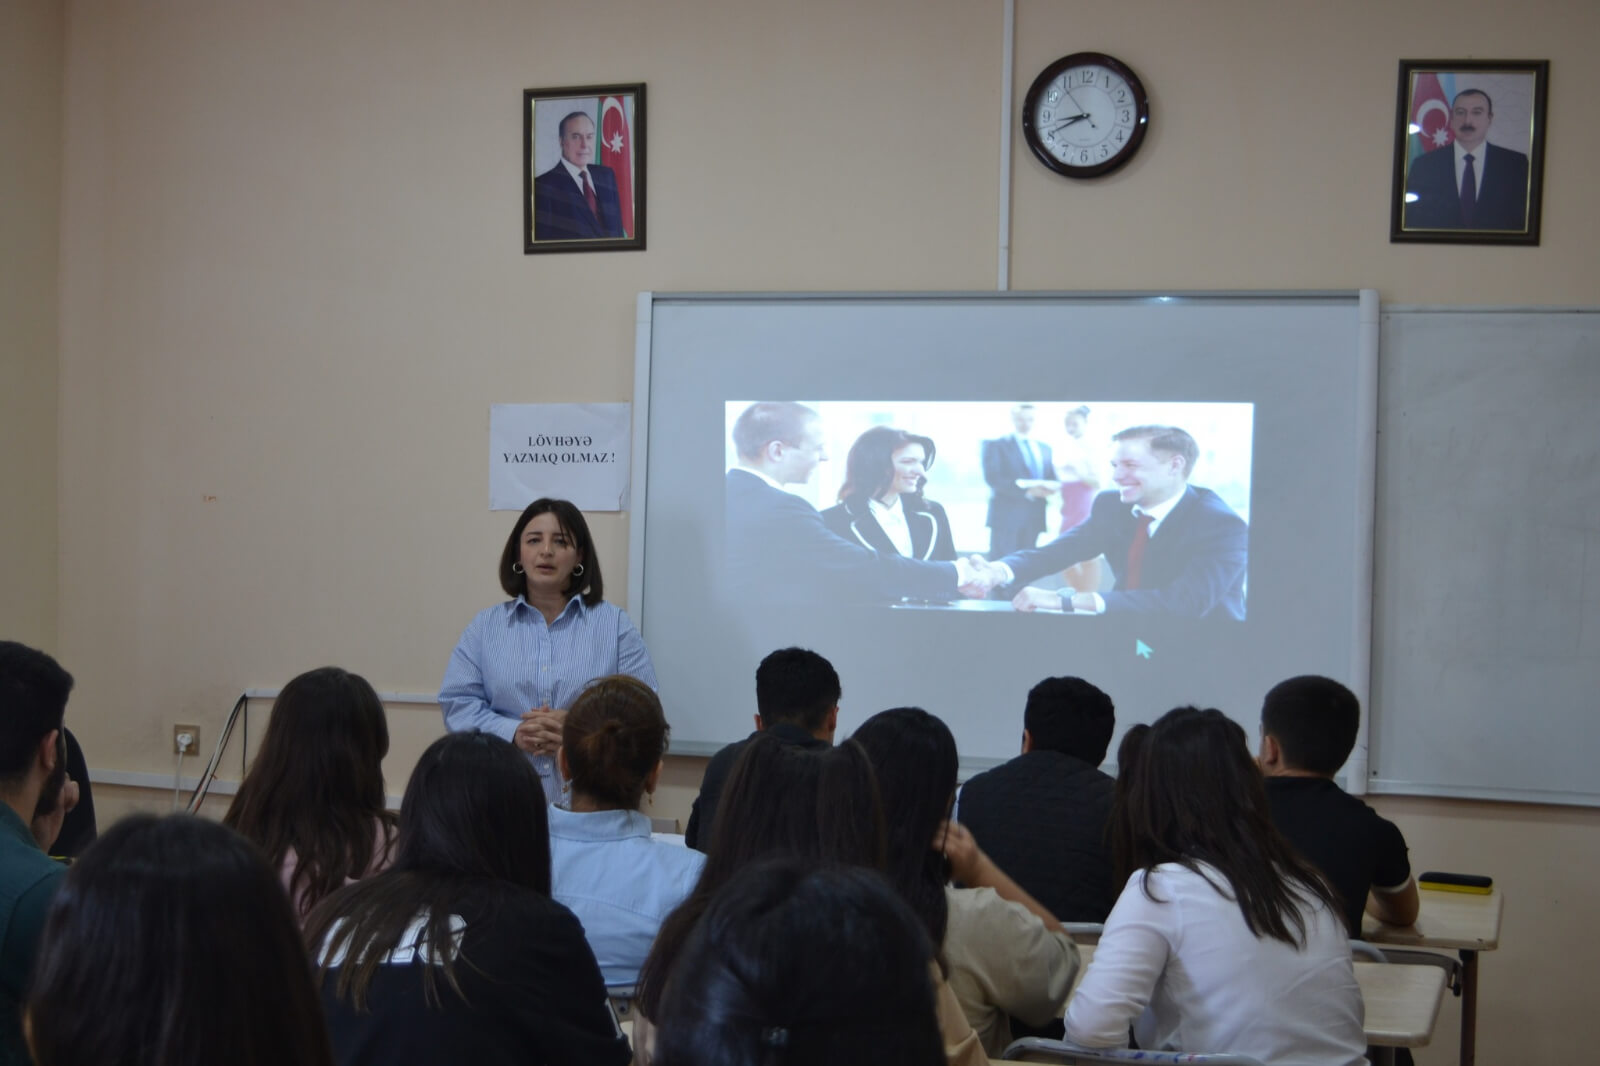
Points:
(1141, 540)
(588, 195)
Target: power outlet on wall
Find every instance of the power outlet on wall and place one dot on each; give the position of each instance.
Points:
(192, 732)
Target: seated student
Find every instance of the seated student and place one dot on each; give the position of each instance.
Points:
(457, 953)
(797, 701)
(1042, 816)
(778, 970)
(819, 806)
(313, 800)
(604, 865)
(171, 943)
(1004, 953)
(1224, 940)
(1308, 728)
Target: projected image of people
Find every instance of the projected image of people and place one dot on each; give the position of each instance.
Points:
(1115, 522)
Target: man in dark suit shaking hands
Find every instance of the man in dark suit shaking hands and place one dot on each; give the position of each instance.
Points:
(1470, 184)
(1175, 549)
(576, 199)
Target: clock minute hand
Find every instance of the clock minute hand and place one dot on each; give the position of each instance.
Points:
(1079, 106)
(1070, 120)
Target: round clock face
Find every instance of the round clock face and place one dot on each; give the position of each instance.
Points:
(1085, 115)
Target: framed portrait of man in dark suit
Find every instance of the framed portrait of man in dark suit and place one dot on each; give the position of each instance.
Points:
(583, 169)
(1469, 151)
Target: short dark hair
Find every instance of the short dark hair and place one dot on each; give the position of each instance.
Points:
(798, 686)
(1168, 439)
(171, 942)
(869, 468)
(1069, 715)
(826, 965)
(1314, 720)
(473, 822)
(577, 530)
(1473, 92)
(561, 127)
(33, 701)
(316, 785)
(614, 737)
(763, 423)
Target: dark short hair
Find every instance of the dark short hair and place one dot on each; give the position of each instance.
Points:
(1168, 439)
(763, 423)
(1314, 720)
(171, 943)
(33, 701)
(869, 468)
(561, 127)
(1473, 92)
(316, 785)
(810, 967)
(1069, 715)
(614, 737)
(577, 530)
(798, 686)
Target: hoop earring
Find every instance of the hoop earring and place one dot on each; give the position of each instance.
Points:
(577, 571)
(516, 568)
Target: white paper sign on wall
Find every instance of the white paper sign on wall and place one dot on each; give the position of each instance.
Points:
(570, 451)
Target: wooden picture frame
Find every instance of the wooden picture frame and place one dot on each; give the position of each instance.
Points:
(1448, 110)
(583, 174)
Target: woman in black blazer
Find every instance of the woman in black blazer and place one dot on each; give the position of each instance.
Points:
(881, 504)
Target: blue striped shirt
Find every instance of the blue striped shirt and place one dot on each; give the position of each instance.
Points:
(509, 661)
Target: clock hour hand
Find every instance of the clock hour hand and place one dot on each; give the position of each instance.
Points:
(1069, 121)
(1079, 106)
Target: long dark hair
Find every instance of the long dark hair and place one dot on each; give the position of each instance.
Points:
(613, 738)
(869, 468)
(171, 943)
(577, 530)
(817, 805)
(1189, 793)
(317, 784)
(807, 967)
(914, 755)
(472, 825)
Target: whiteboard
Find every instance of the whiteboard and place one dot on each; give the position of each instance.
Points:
(1486, 606)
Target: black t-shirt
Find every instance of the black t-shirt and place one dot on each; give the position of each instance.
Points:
(1355, 848)
(533, 995)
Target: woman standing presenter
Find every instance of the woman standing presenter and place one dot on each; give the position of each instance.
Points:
(520, 664)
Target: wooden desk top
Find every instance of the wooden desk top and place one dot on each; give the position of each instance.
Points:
(1402, 1002)
(1458, 920)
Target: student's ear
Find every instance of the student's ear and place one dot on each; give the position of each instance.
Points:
(832, 722)
(1271, 757)
(563, 765)
(654, 778)
(50, 750)
(1027, 742)
(761, 727)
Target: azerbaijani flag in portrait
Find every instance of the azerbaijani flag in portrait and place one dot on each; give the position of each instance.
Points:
(616, 152)
(1430, 113)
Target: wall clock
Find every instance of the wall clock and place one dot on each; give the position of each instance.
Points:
(1085, 115)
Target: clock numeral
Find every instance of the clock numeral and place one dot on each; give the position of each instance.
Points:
(1122, 96)
(1083, 156)
(1119, 136)
(1053, 95)
(1104, 151)
(1108, 81)
(1126, 116)
(1044, 116)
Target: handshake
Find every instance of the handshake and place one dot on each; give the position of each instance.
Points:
(981, 577)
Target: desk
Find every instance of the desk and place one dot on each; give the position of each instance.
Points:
(1458, 921)
(1402, 1002)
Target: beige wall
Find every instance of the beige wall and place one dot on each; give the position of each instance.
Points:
(292, 283)
(31, 56)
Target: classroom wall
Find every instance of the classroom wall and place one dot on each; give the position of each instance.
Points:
(292, 283)
(32, 36)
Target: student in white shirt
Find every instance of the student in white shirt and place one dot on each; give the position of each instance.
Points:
(1223, 939)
